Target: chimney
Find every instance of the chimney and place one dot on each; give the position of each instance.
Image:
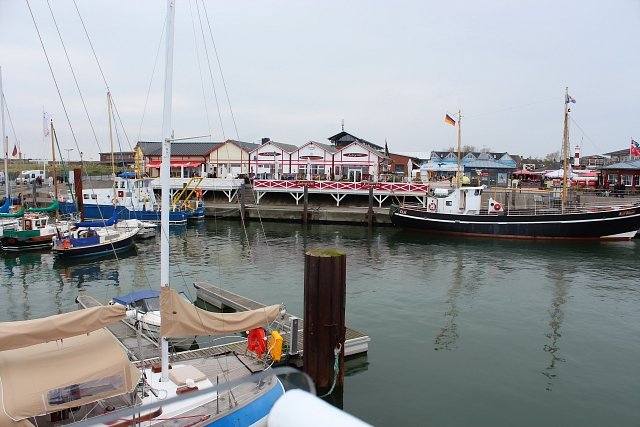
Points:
(265, 140)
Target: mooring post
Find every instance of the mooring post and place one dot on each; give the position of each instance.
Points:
(370, 212)
(305, 211)
(242, 208)
(325, 285)
(77, 188)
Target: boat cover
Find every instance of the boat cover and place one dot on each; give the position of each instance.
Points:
(23, 333)
(137, 296)
(52, 207)
(6, 205)
(180, 318)
(52, 376)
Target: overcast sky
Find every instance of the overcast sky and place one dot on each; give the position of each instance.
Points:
(295, 69)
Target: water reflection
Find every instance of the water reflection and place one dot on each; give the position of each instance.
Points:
(555, 323)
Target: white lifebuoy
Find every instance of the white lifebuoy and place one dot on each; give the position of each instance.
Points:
(432, 207)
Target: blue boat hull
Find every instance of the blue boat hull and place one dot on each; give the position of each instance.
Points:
(106, 212)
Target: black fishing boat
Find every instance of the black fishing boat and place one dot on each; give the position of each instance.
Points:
(459, 211)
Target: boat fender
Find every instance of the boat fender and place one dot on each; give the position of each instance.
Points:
(66, 244)
(432, 207)
(497, 207)
(256, 341)
(275, 345)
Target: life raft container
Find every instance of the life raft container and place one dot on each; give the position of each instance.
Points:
(256, 341)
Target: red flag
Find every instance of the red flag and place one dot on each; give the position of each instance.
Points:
(448, 119)
(635, 148)
(15, 151)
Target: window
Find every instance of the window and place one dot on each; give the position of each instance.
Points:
(73, 392)
(611, 179)
(636, 180)
(627, 179)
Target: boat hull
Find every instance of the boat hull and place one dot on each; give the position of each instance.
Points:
(94, 212)
(16, 244)
(598, 224)
(111, 247)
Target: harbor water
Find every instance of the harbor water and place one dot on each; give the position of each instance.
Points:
(464, 331)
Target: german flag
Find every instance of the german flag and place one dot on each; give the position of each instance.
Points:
(448, 119)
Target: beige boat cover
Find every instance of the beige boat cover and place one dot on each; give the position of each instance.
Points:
(180, 318)
(24, 333)
(57, 375)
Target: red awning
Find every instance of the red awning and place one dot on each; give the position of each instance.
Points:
(176, 163)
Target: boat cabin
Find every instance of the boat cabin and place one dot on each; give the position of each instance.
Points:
(34, 222)
(463, 200)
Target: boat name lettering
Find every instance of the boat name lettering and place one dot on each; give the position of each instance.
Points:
(625, 213)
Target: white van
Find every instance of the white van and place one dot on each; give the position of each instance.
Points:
(29, 177)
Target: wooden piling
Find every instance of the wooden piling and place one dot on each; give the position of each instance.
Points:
(305, 210)
(370, 211)
(324, 316)
(242, 205)
(77, 188)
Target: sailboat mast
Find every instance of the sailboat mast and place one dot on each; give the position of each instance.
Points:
(458, 177)
(53, 159)
(164, 173)
(113, 164)
(5, 141)
(565, 147)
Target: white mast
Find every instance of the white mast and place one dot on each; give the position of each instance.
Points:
(164, 174)
(565, 149)
(5, 140)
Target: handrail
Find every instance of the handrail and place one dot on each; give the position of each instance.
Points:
(185, 203)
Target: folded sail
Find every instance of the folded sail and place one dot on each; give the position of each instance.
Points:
(24, 333)
(180, 318)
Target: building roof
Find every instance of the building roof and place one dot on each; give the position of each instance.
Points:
(486, 164)
(343, 139)
(154, 148)
(246, 146)
(629, 165)
(289, 148)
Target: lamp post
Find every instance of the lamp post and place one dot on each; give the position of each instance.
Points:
(68, 150)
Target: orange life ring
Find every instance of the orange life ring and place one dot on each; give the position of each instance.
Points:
(432, 207)
(66, 244)
(256, 341)
(497, 207)
(198, 193)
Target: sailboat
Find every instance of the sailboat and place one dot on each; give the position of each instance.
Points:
(459, 211)
(132, 197)
(95, 238)
(67, 368)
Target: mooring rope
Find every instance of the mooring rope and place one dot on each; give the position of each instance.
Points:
(336, 369)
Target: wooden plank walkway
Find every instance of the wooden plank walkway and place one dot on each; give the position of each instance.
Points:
(144, 349)
(356, 342)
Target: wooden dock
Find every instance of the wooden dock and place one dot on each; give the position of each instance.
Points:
(143, 348)
(356, 342)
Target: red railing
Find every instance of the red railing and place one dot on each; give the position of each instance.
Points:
(341, 186)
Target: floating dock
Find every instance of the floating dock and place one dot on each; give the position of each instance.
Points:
(356, 343)
(143, 348)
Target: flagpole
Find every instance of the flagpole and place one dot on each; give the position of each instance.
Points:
(44, 158)
(458, 178)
